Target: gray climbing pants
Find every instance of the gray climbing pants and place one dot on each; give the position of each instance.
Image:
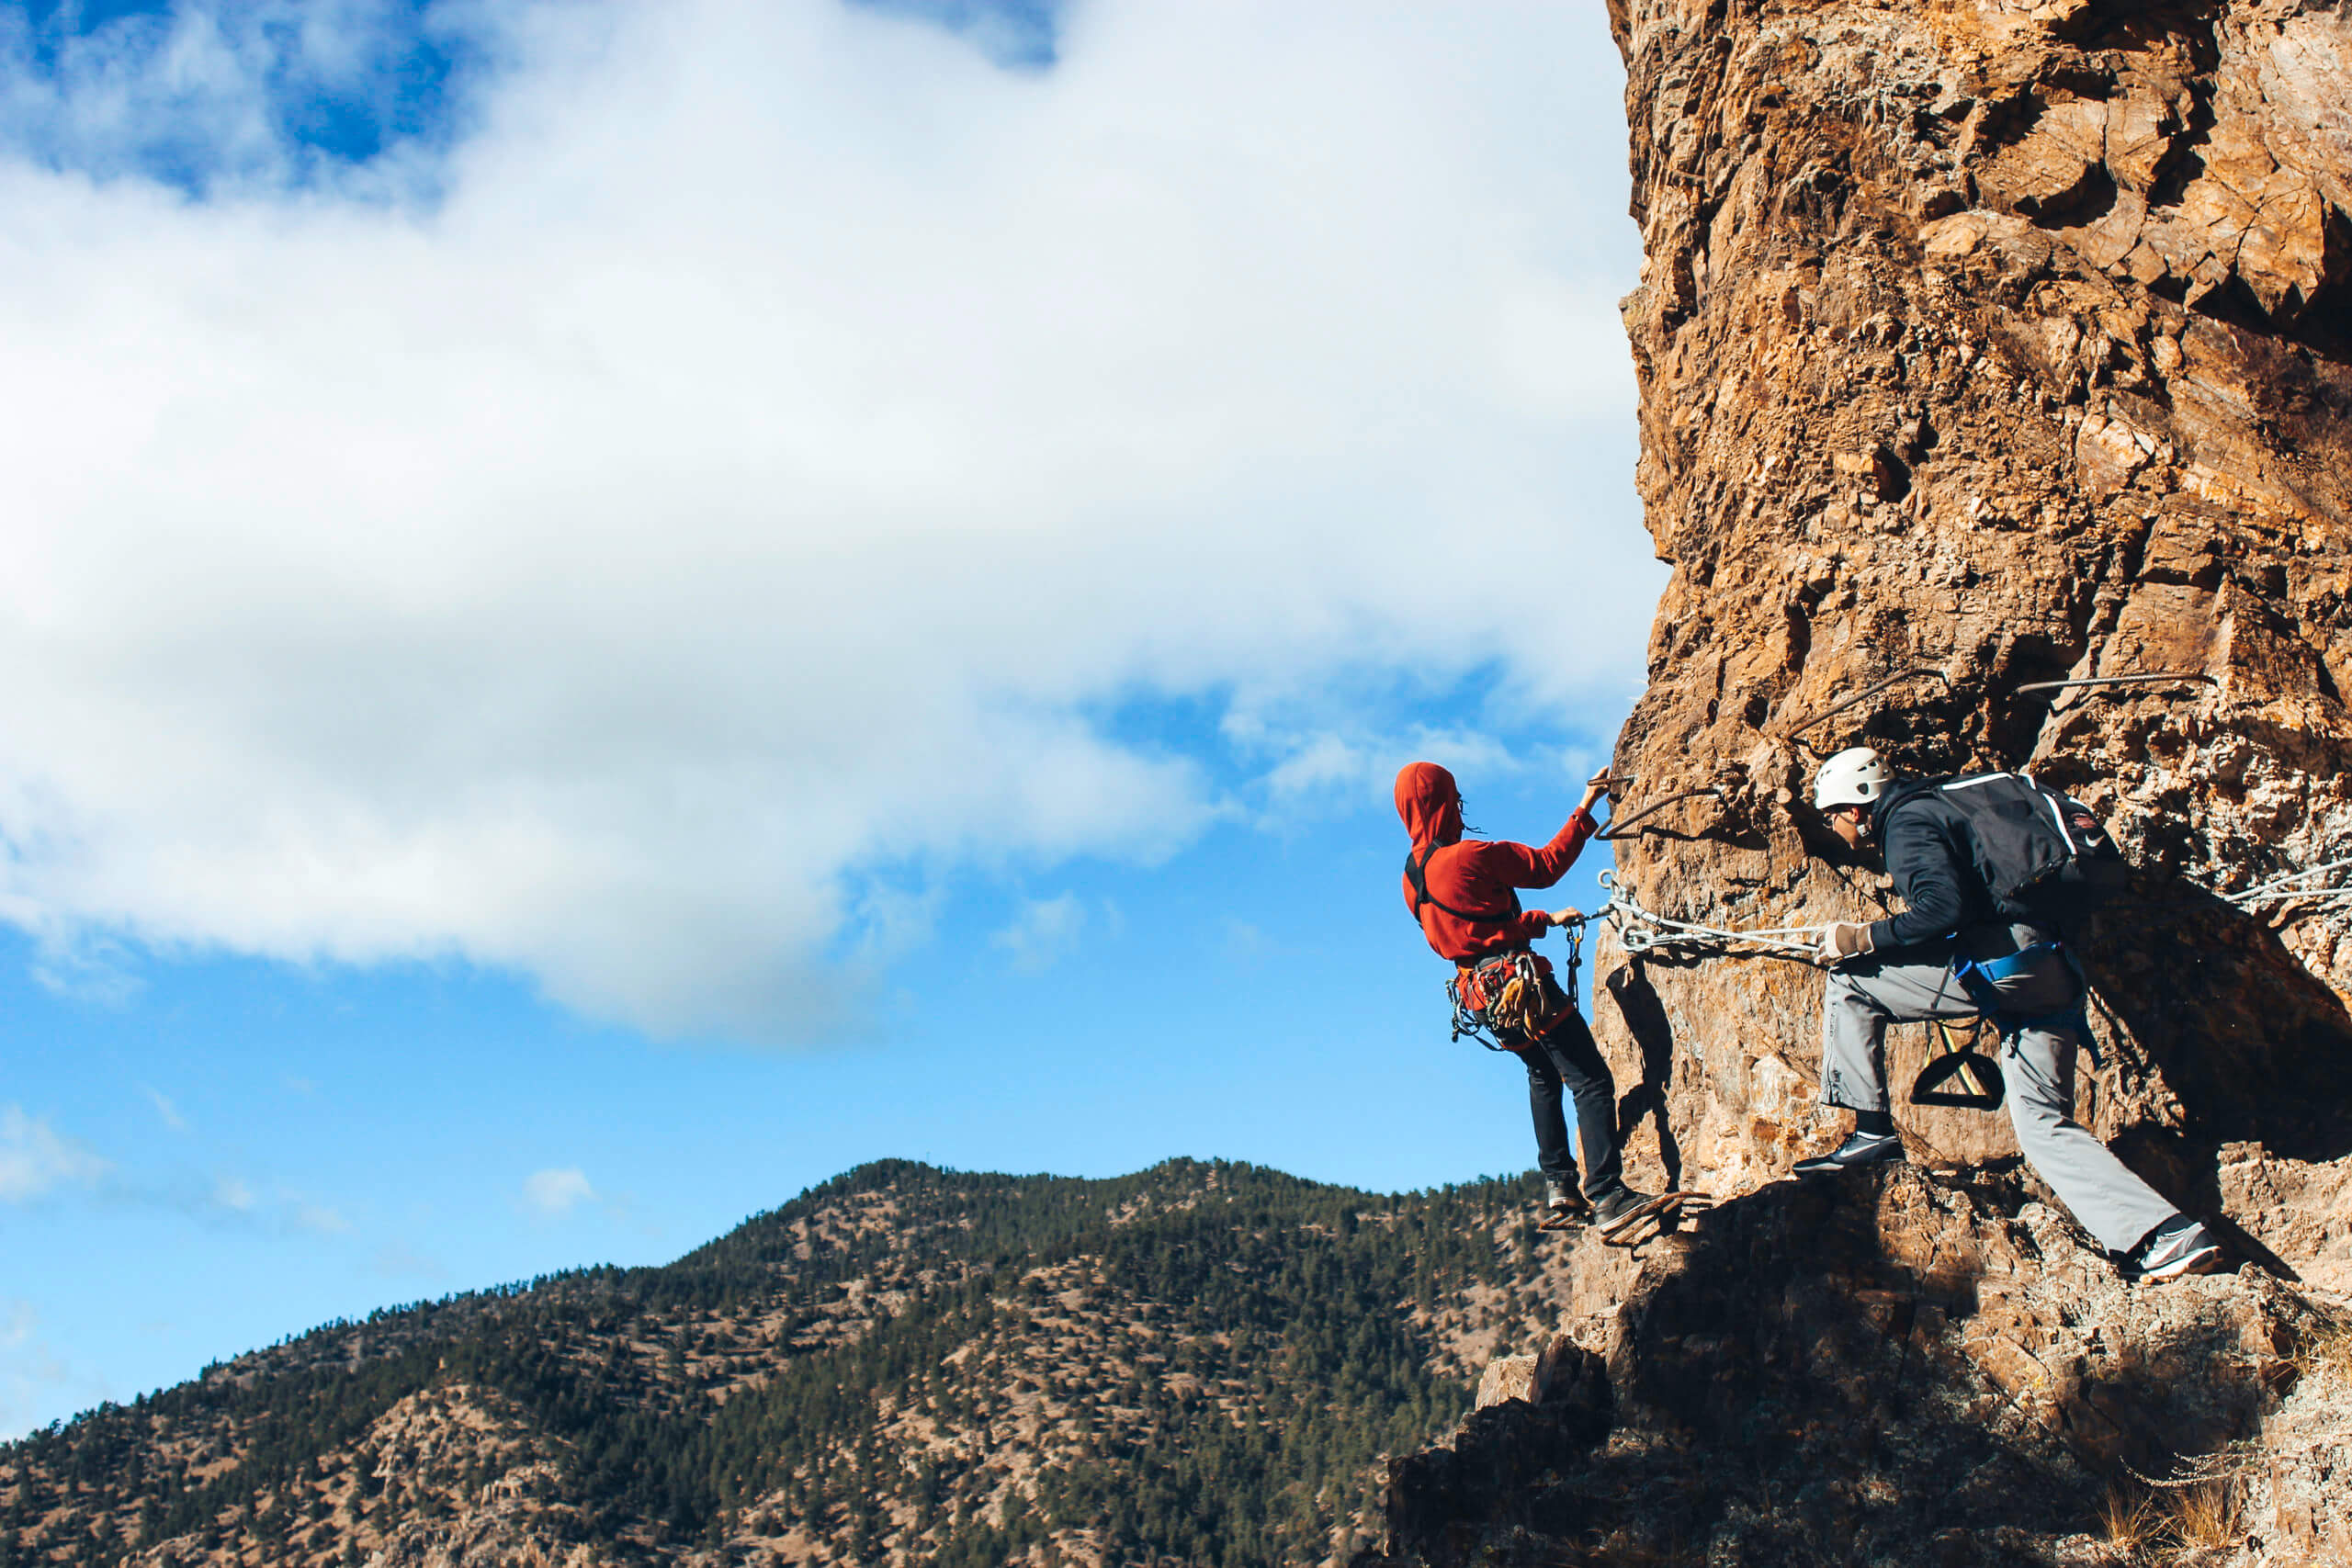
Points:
(2038, 1064)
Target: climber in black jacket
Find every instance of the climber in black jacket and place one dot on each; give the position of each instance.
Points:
(1906, 968)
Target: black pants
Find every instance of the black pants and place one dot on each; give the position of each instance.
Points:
(1566, 1055)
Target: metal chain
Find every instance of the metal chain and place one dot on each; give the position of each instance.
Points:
(2280, 889)
(1640, 929)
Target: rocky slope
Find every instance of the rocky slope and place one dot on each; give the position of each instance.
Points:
(1984, 343)
(1905, 1372)
(906, 1365)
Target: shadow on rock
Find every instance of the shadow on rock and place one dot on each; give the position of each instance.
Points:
(2161, 973)
(1644, 1015)
(1885, 1369)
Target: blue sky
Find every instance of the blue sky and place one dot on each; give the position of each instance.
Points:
(611, 610)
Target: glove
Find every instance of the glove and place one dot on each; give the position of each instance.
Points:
(1841, 940)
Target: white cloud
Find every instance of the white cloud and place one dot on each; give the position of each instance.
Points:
(35, 1159)
(318, 1218)
(164, 1108)
(1045, 931)
(556, 1191)
(233, 1194)
(753, 482)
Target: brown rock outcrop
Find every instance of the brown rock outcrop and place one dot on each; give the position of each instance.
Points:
(1901, 1370)
(2001, 342)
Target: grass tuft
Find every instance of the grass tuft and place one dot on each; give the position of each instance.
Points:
(2326, 1352)
(2206, 1515)
(2127, 1521)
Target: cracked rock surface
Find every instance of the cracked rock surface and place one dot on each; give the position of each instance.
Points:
(1982, 345)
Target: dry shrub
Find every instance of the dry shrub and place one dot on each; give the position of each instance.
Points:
(2127, 1521)
(2206, 1515)
(2326, 1352)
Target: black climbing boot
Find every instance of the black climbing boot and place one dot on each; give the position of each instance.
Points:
(1620, 1208)
(1564, 1207)
(2177, 1247)
(1863, 1148)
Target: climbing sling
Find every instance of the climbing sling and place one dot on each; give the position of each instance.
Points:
(1964, 1062)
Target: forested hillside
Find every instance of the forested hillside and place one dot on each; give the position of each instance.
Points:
(905, 1365)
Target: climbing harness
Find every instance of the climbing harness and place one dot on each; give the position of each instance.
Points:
(1980, 978)
(1518, 975)
(1502, 993)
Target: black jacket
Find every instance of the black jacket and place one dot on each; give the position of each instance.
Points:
(1931, 856)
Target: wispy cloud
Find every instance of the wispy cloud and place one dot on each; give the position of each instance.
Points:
(35, 1159)
(557, 1191)
(1045, 931)
(28, 1373)
(1348, 767)
(225, 1199)
(398, 1260)
(164, 1108)
(318, 1218)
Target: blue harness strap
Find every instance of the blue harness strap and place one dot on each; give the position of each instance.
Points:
(1980, 979)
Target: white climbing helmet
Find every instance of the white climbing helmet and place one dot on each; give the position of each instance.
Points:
(1855, 776)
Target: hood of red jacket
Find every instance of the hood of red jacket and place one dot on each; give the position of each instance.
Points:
(1429, 804)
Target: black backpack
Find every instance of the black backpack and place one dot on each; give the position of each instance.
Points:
(2044, 858)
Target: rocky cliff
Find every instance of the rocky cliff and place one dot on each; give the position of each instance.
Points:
(1906, 1371)
(1985, 343)
(1982, 345)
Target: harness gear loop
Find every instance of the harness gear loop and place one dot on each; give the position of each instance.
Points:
(1506, 991)
(1502, 992)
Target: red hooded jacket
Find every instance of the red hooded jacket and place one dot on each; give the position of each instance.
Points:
(1475, 875)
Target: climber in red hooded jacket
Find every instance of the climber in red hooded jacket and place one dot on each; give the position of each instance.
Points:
(1467, 905)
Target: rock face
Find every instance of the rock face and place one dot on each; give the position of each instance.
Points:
(1985, 343)
(1898, 1370)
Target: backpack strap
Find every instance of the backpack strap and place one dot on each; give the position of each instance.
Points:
(1417, 872)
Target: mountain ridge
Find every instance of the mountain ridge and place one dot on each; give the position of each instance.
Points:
(1204, 1358)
